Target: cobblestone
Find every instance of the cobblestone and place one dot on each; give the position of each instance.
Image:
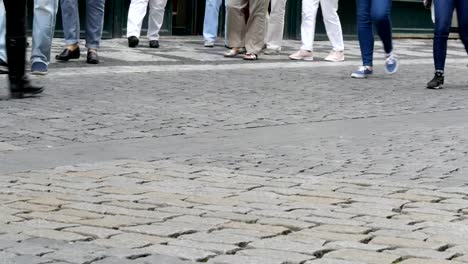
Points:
(222, 161)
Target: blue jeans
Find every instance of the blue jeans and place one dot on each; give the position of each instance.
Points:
(2, 32)
(443, 20)
(94, 22)
(379, 12)
(45, 12)
(210, 25)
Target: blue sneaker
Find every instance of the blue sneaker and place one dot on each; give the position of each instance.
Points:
(362, 72)
(391, 65)
(39, 68)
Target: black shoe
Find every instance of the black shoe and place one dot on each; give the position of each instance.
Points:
(133, 41)
(3, 67)
(92, 57)
(154, 44)
(23, 87)
(436, 82)
(67, 55)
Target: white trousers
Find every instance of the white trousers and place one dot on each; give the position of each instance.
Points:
(137, 13)
(330, 19)
(275, 25)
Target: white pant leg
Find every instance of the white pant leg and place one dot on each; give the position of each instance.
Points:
(332, 23)
(136, 14)
(309, 17)
(275, 25)
(156, 18)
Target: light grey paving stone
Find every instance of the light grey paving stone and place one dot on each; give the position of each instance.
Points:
(75, 255)
(57, 235)
(363, 255)
(114, 260)
(332, 261)
(131, 240)
(94, 232)
(224, 238)
(187, 253)
(165, 230)
(29, 249)
(234, 259)
(421, 253)
(218, 248)
(163, 260)
(285, 256)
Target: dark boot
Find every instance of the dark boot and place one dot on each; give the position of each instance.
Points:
(19, 82)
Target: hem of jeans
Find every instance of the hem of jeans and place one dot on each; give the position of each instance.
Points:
(72, 42)
(96, 47)
(33, 60)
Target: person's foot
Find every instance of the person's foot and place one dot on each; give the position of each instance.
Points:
(362, 72)
(335, 56)
(391, 64)
(133, 41)
(302, 55)
(3, 67)
(23, 87)
(234, 52)
(68, 54)
(154, 44)
(92, 57)
(436, 82)
(39, 68)
(209, 44)
(270, 51)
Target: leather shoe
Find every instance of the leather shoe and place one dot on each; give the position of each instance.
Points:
(133, 41)
(23, 87)
(154, 44)
(92, 57)
(67, 55)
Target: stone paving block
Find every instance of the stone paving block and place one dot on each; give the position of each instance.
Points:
(187, 253)
(114, 260)
(163, 260)
(427, 261)
(115, 221)
(329, 236)
(25, 259)
(43, 224)
(54, 216)
(163, 230)
(199, 220)
(218, 248)
(364, 256)
(282, 243)
(31, 207)
(355, 245)
(75, 256)
(426, 217)
(257, 227)
(49, 201)
(233, 216)
(332, 261)
(421, 253)
(287, 223)
(332, 221)
(57, 235)
(285, 256)
(235, 259)
(79, 214)
(246, 232)
(94, 232)
(342, 229)
(403, 242)
(130, 240)
(29, 249)
(215, 237)
(415, 197)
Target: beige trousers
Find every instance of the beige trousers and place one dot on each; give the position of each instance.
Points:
(250, 35)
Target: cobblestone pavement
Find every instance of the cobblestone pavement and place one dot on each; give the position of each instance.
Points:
(178, 155)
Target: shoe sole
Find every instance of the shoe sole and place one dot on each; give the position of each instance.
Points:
(39, 73)
(303, 59)
(334, 60)
(435, 88)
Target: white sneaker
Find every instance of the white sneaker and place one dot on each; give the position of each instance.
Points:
(269, 51)
(209, 44)
(335, 56)
(302, 55)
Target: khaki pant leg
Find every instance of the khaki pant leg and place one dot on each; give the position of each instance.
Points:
(256, 26)
(235, 23)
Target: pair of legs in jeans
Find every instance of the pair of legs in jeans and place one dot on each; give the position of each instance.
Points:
(378, 12)
(332, 26)
(210, 24)
(137, 12)
(45, 12)
(15, 39)
(71, 29)
(443, 20)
